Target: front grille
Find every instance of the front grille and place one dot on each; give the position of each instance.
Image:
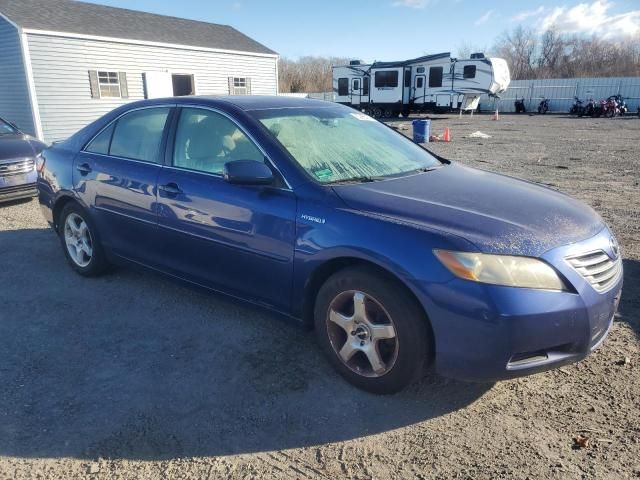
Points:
(16, 166)
(597, 268)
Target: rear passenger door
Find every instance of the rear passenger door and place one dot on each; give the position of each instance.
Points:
(116, 175)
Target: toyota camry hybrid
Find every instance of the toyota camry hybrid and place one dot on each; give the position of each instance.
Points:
(399, 259)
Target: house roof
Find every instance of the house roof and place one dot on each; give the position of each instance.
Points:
(70, 16)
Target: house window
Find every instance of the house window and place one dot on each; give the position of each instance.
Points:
(239, 86)
(106, 84)
(109, 84)
(469, 71)
(343, 87)
(435, 77)
(387, 78)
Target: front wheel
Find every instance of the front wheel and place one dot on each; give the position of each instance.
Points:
(372, 330)
(80, 241)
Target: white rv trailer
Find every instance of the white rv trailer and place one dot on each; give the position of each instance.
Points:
(430, 83)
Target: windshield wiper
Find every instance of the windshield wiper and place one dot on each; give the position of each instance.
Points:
(362, 179)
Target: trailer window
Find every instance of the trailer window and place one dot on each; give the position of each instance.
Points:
(469, 71)
(356, 84)
(420, 70)
(386, 79)
(435, 77)
(343, 87)
(365, 86)
(420, 82)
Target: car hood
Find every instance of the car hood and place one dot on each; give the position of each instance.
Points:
(17, 146)
(498, 214)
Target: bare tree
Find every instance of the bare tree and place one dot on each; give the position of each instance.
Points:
(518, 48)
(307, 74)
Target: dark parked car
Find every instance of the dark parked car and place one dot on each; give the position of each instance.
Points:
(18, 152)
(400, 259)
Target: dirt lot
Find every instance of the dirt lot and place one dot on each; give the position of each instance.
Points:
(133, 376)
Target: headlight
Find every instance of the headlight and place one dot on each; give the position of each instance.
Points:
(505, 270)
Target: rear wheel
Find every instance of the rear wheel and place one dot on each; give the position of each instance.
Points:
(372, 330)
(377, 112)
(80, 241)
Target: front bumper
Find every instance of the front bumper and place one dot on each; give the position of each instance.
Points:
(15, 187)
(18, 192)
(489, 333)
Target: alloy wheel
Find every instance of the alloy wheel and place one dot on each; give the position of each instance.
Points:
(362, 334)
(78, 240)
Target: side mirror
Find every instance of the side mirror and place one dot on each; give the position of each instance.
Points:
(248, 172)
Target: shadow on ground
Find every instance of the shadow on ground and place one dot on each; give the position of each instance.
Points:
(131, 365)
(629, 309)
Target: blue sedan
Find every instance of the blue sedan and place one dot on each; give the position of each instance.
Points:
(399, 259)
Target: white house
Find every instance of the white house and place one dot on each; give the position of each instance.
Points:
(65, 63)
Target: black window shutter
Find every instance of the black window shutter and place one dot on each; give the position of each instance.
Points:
(93, 82)
(124, 86)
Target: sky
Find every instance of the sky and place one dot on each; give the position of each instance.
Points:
(395, 29)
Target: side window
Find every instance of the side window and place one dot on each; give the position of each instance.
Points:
(435, 77)
(206, 140)
(356, 84)
(138, 134)
(388, 78)
(365, 86)
(419, 82)
(343, 87)
(100, 144)
(469, 71)
(420, 70)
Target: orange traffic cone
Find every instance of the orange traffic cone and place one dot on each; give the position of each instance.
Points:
(496, 116)
(447, 135)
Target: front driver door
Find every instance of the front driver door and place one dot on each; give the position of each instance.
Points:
(234, 238)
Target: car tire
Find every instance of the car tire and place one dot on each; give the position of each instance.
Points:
(80, 241)
(351, 340)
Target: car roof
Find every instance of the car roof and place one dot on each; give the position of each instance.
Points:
(243, 102)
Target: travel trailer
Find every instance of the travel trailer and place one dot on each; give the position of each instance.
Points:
(430, 83)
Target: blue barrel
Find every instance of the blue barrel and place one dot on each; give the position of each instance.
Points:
(421, 130)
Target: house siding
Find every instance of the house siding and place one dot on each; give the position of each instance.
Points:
(15, 104)
(60, 70)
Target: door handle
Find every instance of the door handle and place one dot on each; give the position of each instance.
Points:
(170, 189)
(84, 169)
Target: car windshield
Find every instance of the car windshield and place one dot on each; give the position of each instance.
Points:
(5, 128)
(338, 144)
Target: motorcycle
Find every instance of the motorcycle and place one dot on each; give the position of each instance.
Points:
(577, 108)
(544, 106)
(519, 106)
(611, 108)
(622, 104)
(589, 109)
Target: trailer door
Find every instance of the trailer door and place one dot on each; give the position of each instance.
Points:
(419, 89)
(356, 91)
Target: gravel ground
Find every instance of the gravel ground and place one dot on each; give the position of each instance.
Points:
(134, 376)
